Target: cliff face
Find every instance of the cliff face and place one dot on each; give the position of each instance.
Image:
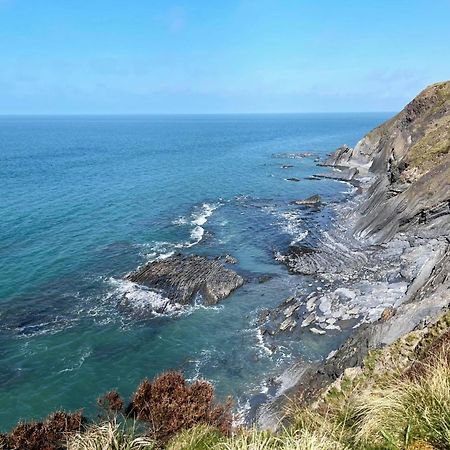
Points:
(403, 169)
(406, 161)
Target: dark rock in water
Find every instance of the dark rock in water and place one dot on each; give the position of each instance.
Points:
(227, 259)
(341, 174)
(294, 155)
(292, 179)
(313, 200)
(300, 250)
(264, 278)
(182, 277)
(287, 166)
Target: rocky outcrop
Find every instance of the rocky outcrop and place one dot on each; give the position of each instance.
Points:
(407, 165)
(181, 278)
(314, 200)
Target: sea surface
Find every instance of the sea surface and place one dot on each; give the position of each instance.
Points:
(86, 199)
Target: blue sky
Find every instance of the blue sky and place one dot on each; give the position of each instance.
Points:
(215, 56)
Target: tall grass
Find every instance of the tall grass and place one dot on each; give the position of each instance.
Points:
(109, 436)
(408, 410)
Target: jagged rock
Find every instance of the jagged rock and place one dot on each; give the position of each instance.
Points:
(387, 313)
(311, 303)
(181, 278)
(288, 323)
(228, 259)
(340, 174)
(317, 331)
(310, 201)
(309, 320)
(294, 155)
(291, 309)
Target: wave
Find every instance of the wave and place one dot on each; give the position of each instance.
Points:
(196, 220)
(144, 301)
(140, 298)
(84, 355)
(289, 222)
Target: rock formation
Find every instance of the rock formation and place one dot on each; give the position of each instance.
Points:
(386, 263)
(180, 278)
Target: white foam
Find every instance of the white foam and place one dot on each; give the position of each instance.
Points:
(163, 249)
(85, 354)
(196, 235)
(139, 297)
(261, 344)
(180, 221)
(206, 211)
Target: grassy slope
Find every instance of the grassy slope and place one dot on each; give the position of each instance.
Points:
(398, 399)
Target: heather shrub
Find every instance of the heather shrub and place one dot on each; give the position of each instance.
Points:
(169, 405)
(47, 435)
(111, 403)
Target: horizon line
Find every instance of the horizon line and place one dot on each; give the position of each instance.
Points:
(188, 114)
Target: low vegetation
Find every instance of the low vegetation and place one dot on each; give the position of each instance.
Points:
(398, 400)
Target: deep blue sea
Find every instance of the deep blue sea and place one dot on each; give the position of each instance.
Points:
(86, 199)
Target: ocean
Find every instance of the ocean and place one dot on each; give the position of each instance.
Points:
(86, 199)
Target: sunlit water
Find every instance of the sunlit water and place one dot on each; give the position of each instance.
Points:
(84, 200)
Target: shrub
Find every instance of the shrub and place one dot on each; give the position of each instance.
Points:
(169, 404)
(47, 435)
(111, 402)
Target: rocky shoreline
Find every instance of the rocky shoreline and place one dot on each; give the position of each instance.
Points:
(384, 267)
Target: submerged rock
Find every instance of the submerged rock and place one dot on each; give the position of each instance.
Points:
(310, 201)
(182, 277)
(293, 179)
(227, 259)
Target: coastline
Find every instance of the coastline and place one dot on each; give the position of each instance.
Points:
(384, 266)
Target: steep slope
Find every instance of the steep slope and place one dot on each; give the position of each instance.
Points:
(390, 248)
(406, 161)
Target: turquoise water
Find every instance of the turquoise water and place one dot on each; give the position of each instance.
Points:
(84, 200)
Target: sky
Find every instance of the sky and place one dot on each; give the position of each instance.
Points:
(211, 56)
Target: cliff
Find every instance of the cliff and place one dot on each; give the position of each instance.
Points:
(395, 237)
(406, 162)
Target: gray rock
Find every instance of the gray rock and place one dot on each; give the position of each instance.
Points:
(314, 200)
(291, 309)
(289, 323)
(317, 331)
(181, 278)
(309, 320)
